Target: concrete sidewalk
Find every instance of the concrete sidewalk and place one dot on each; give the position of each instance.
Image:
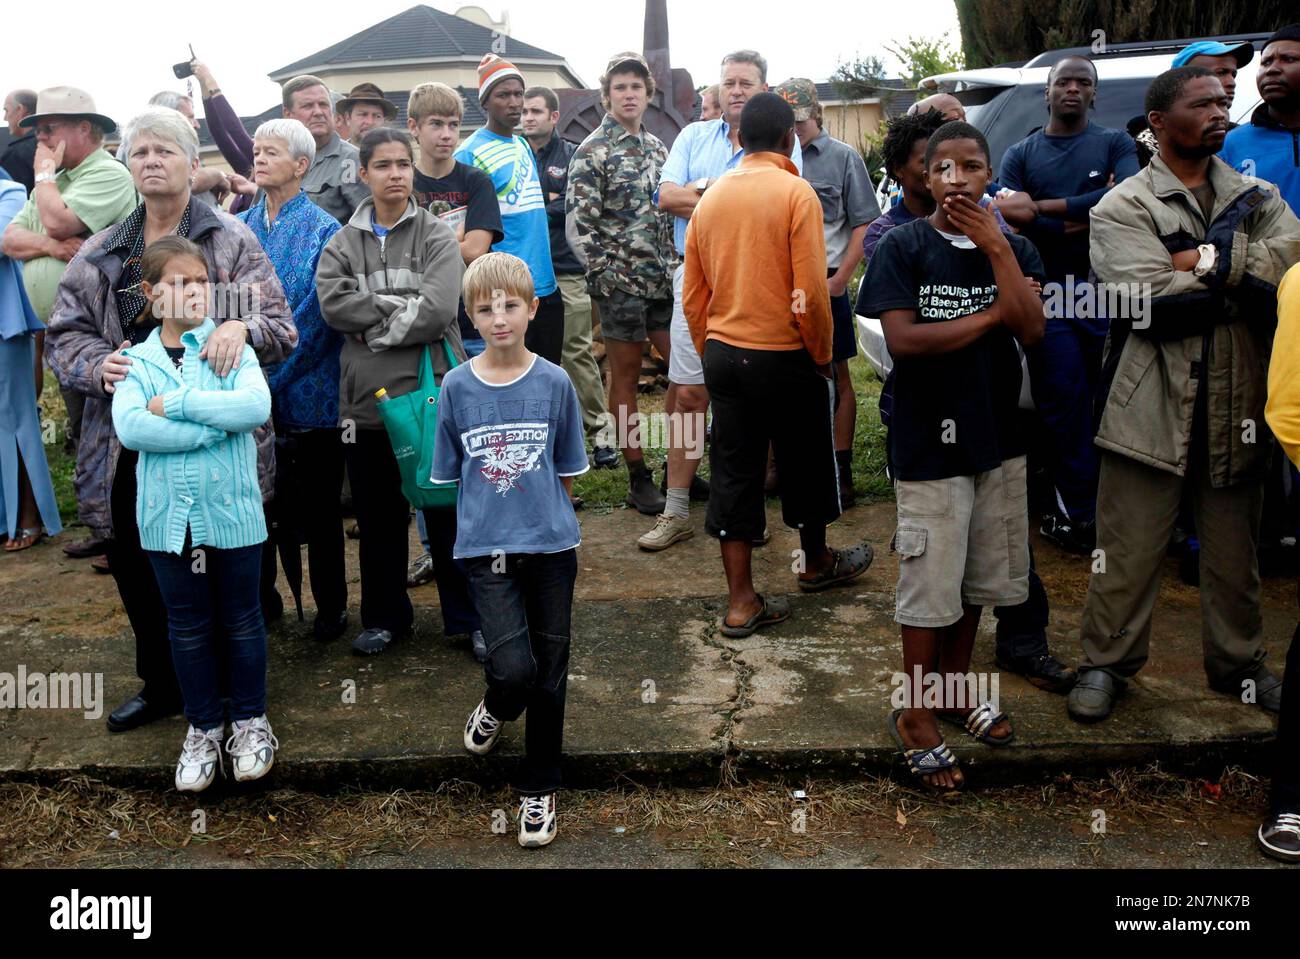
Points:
(655, 692)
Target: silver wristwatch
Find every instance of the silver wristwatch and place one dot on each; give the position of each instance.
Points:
(1209, 257)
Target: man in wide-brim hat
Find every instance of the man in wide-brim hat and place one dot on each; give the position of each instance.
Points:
(79, 190)
(365, 108)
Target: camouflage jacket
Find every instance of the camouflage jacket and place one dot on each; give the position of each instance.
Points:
(615, 226)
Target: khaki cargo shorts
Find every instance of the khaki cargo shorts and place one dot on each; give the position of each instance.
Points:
(962, 540)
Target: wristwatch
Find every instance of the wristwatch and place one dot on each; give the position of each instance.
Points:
(701, 184)
(1209, 256)
(43, 177)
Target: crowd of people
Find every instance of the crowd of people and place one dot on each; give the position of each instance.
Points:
(239, 354)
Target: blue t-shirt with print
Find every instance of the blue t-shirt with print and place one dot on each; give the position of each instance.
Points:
(510, 163)
(508, 446)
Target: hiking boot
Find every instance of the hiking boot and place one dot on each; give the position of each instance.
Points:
(1077, 538)
(1044, 671)
(668, 530)
(605, 458)
(642, 495)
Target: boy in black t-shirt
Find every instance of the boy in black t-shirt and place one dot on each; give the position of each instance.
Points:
(952, 294)
(463, 197)
(460, 195)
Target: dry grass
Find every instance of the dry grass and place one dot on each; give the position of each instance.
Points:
(82, 821)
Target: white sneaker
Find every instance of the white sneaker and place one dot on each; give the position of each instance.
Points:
(200, 760)
(537, 821)
(481, 730)
(251, 749)
(668, 530)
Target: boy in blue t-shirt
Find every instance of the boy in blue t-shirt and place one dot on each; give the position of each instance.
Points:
(510, 433)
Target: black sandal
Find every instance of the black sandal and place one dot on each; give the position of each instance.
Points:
(848, 565)
(774, 611)
(925, 761)
(978, 722)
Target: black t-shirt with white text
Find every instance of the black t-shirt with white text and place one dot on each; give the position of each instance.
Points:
(954, 414)
(466, 188)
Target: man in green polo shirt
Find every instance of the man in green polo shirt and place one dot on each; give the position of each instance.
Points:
(79, 190)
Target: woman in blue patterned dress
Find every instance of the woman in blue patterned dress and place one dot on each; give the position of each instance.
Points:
(305, 387)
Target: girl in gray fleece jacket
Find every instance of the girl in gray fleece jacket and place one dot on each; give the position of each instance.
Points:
(390, 282)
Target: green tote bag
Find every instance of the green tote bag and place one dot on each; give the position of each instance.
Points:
(411, 421)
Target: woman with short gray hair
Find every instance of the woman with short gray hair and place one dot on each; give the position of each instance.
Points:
(209, 185)
(304, 388)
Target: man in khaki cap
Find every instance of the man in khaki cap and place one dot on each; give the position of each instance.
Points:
(79, 190)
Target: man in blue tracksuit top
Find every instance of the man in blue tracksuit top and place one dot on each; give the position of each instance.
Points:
(1268, 147)
(1067, 167)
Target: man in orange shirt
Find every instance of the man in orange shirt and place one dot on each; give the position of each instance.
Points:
(758, 307)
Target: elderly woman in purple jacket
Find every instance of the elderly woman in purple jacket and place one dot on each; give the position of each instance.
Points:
(98, 314)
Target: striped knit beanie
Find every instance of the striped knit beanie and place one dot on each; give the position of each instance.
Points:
(492, 69)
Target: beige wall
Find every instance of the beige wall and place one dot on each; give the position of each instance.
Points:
(852, 122)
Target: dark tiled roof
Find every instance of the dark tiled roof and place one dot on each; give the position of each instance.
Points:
(828, 92)
(417, 34)
(473, 119)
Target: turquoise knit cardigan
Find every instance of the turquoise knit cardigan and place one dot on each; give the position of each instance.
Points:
(198, 464)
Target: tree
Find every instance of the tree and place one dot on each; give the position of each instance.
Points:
(1003, 31)
(859, 79)
(923, 58)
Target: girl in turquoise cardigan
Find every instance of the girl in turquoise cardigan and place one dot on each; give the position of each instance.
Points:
(199, 510)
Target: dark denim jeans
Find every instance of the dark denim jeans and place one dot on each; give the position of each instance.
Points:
(526, 605)
(215, 591)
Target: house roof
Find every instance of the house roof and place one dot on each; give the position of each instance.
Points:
(420, 33)
(894, 94)
(474, 116)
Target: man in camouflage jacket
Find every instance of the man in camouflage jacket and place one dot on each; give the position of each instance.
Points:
(626, 244)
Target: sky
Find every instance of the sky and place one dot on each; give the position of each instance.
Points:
(122, 54)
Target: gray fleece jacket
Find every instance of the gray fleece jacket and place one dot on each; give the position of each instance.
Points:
(390, 299)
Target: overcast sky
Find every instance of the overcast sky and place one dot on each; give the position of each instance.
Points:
(122, 53)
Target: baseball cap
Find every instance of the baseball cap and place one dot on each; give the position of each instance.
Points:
(1243, 51)
(801, 94)
(620, 60)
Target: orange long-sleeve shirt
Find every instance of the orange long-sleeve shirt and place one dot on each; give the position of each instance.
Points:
(756, 262)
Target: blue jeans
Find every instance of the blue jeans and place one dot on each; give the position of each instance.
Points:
(215, 591)
(526, 605)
